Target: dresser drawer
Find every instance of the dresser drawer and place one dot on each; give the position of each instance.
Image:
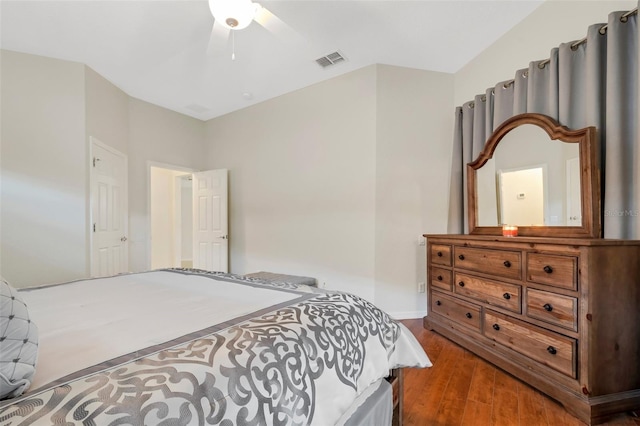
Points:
(502, 263)
(494, 293)
(456, 310)
(553, 308)
(440, 254)
(441, 278)
(551, 349)
(558, 271)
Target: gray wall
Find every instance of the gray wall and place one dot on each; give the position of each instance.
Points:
(159, 136)
(302, 182)
(44, 170)
(50, 110)
(338, 180)
(414, 126)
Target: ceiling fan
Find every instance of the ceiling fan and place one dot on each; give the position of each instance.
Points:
(234, 15)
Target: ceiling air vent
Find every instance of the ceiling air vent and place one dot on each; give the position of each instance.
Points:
(197, 108)
(330, 59)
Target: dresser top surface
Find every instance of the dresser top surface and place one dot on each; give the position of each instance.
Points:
(535, 240)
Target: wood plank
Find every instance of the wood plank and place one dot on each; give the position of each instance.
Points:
(557, 415)
(476, 414)
(531, 406)
(505, 400)
(432, 396)
(482, 383)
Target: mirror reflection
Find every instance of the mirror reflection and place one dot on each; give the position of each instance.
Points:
(531, 180)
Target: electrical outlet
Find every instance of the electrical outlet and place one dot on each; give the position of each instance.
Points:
(421, 287)
(422, 241)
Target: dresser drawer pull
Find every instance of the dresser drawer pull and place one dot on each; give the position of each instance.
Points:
(506, 296)
(507, 264)
(552, 350)
(439, 254)
(461, 283)
(468, 315)
(496, 327)
(438, 302)
(547, 307)
(439, 277)
(548, 269)
(461, 257)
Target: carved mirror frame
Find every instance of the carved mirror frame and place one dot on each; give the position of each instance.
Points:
(589, 179)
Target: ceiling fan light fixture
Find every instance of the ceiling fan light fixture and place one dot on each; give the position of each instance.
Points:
(233, 14)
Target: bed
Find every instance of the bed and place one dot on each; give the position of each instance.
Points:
(190, 347)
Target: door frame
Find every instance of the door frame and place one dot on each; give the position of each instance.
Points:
(160, 165)
(177, 222)
(125, 199)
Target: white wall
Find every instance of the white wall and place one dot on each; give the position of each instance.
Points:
(50, 108)
(553, 23)
(44, 170)
(107, 112)
(338, 180)
(302, 182)
(160, 136)
(414, 126)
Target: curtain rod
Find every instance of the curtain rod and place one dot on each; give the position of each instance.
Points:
(603, 29)
(624, 18)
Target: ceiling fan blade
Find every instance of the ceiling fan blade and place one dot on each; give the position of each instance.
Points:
(277, 27)
(218, 38)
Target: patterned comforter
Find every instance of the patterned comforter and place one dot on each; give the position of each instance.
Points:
(301, 363)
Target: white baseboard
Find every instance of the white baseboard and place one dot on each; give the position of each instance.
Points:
(407, 315)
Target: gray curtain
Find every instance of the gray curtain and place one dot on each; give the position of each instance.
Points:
(594, 83)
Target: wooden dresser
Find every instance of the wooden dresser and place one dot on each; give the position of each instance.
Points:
(561, 314)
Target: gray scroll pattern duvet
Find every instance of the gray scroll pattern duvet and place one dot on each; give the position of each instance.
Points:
(297, 365)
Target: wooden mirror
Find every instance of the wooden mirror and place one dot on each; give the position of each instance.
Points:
(539, 176)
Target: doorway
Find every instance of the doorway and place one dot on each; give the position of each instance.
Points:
(188, 218)
(169, 218)
(522, 196)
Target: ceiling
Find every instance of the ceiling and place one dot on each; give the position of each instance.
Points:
(164, 52)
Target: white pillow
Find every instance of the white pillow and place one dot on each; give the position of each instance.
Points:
(18, 343)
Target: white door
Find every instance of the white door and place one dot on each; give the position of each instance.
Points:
(109, 248)
(210, 229)
(574, 202)
(522, 197)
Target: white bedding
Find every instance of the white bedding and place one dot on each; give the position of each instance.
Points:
(85, 323)
(194, 347)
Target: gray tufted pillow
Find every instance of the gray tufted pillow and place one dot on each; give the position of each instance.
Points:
(18, 343)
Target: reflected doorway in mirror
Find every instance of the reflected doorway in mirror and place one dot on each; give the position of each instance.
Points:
(523, 196)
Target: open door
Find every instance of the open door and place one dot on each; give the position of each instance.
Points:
(210, 228)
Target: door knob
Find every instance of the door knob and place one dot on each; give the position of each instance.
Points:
(225, 237)
(123, 239)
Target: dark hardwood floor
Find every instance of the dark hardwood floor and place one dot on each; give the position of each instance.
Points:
(462, 389)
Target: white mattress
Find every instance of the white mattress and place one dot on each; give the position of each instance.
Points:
(83, 324)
